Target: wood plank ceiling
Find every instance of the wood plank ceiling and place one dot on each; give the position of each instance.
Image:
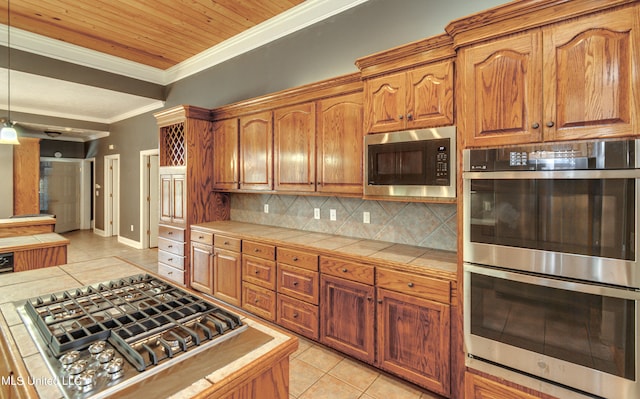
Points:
(158, 33)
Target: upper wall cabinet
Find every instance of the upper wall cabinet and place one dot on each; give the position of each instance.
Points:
(226, 168)
(256, 151)
(409, 87)
(294, 135)
(563, 81)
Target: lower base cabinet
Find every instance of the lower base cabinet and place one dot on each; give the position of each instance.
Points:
(227, 279)
(413, 339)
(298, 316)
(201, 277)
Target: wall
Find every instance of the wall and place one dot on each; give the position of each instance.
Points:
(426, 225)
(324, 50)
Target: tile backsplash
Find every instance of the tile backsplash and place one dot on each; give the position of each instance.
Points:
(413, 223)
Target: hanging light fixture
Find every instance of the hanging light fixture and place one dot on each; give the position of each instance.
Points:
(8, 134)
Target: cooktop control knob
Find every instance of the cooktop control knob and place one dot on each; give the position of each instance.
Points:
(69, 357)
(97, 347)
(77, 367)
(85, 380)
(106, 355)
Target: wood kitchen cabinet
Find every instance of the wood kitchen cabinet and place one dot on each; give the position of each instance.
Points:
(226, 169)
(256, 151)
(173, 202)
(417, 98)
(259, 279)
(479, 387)
(227, 269)
(413, 339)
(564, 81)
(347, 308)
(294, 136)
(201, 276)
(339, 144)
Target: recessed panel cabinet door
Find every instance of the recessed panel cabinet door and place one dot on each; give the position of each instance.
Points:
(413, 339)
(385, 105)
(347, 315)
(295, 148)
(591, 76)
(256, 152)
(201, 276)
(227, 277)
(225, 155)
(501, 91)
(340, 144)
(430, 95)
(165, 198)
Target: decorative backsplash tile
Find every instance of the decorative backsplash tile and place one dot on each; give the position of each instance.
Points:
(413, 223)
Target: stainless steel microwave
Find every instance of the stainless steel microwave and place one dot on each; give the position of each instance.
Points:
(411, 163)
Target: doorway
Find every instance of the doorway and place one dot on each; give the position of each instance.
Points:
(149, 198)
(112, 195)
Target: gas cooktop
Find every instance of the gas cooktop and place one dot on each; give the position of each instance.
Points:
(97, 339)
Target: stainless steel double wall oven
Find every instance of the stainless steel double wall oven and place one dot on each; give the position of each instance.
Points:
(551, 273)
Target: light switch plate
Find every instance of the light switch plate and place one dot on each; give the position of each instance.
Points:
(266, 208)
(332, 214)
(316, 213)
(366, 217)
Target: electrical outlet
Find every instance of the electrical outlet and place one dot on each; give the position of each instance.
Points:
(131, 227)
(266, 208)
(332, 215)
(316, 213)
(366, 217)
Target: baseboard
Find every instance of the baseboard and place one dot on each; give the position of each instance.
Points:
(99, 232)
(130, 242)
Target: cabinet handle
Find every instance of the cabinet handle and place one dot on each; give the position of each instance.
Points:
(170, 246)
(295, 283)
(410, 285)
(170, 260)
(257, 272)
(200, 237)
(409, 116)
(169, 273)
(295, 258)
(535, 125)
(170, 233)
(344, 270)
(225, 243)
(369, 298)
(550, 124)
(400, 116)
(295, 315)
(256, 250)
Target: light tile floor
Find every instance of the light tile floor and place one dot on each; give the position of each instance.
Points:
(316, 372)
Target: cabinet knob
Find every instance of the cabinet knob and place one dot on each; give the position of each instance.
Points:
(400, 116)
(344, 270)
(257, 272)
(295, 283)
(295, 315)
(170, 246)
(380, 301)
(369, 298)
(409, 116)
(410, 285)
(200, 237)
(169, 273)
(295, 259)
(535, 125)
(256, 300)
(170, 233)
(170, 260)
(256, 250)
(550, 124)
(225, 243)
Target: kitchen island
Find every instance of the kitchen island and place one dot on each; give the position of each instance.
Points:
(261, 366)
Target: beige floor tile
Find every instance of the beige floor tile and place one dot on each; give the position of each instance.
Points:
(355, 374)
(303, 345)
(320, 358)
(385, 387)
(330, 387)
(302, 376)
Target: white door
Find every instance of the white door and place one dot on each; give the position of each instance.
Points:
(154, 189)
(61, 181)
(112, 195)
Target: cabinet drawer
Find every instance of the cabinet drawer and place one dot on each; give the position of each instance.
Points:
(175, 247)
(298, 316)
(347, 270)
(170, 232)
(420, 286)
(173, 260)
(229, 243)
(259, 301)
(202, 237)
(171, 273)
(298, 283)
(298, 258)
(258, 271)
(263, 251)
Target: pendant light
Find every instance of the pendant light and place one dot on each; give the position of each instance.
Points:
(8, 134)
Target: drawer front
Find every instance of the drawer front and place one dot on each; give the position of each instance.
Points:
(170, 259)
(298, 283)
(298, 316)
(259, 250)
(420, 286)
(202, 237)
(259, 301)
(258, 271)
(348, 270)
(171, 273)
(171, 232)
(298, 258)
(228, 243)
(175, 247)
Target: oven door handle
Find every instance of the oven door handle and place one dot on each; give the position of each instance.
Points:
(551, 281)
(555, 174)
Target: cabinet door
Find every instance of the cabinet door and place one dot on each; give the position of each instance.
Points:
(178, 197)
(477, 387)
(384, 99)
(501, 91)
(256, 152)
(295, 148)
(165, 198)
(592, 86)
(225, 155)
(347, 312)
(430, 95)
(413, 339)
(201, 276)
(227, 276)
(340, 144)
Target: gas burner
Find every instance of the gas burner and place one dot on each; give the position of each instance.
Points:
(97, 347)
(77, 367)
(173, 336)
(106, 355)
(69, 358)
(85, 380)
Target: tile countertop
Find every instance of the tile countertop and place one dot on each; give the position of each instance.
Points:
(402, 257)
(21, 243)
(17, 287)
